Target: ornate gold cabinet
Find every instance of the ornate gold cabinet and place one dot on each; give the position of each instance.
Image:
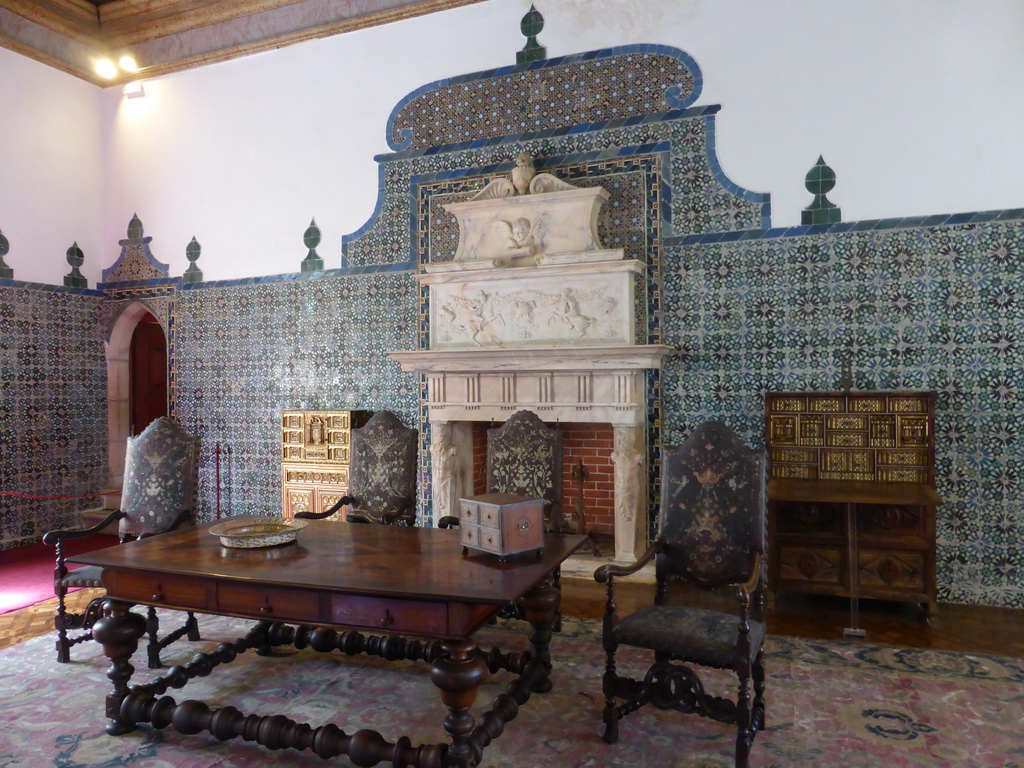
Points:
(315, 449)
(851, 494)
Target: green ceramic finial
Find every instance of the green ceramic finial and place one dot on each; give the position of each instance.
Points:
(311, 239)
(135, 227)
(74, 278)
(5, 271)
(819, 182)
(531, 25)
(193, 274)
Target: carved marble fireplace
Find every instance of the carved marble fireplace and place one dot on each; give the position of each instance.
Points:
(532, 313)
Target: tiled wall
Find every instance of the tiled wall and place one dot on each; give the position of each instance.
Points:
(53, 408)
(933, 308)
(930, 303)
(250, 350)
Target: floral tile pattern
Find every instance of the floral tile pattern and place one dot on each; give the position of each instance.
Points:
(929, 308)
(53, 409)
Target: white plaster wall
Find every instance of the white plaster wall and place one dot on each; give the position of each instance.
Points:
(916, 105)
(51, 177)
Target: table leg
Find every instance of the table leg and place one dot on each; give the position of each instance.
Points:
(541, 608)
(458, 672)
(118, 632)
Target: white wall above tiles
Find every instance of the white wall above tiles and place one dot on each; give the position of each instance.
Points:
(914, 105)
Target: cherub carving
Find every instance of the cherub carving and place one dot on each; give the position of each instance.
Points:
(520, 239)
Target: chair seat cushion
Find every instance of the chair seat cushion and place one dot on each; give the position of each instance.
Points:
(693, 634)
(86, 576)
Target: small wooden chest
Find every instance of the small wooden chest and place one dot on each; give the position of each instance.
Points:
(501, 523)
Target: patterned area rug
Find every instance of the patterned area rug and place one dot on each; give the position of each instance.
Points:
(829, 704)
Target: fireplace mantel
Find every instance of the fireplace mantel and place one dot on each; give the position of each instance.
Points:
(587, 384)
(624, 358)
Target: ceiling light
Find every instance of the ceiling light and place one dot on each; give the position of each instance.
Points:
(127, 63)
(106, 69)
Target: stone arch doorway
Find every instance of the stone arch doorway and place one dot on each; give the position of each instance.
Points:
(136, 380)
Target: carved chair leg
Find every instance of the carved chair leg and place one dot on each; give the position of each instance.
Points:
(758, 709)
(744, 729)
(609, 684)
(60, 623)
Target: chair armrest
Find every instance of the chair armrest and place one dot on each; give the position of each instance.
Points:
(448, 521)
(326, 513)
(606, 572)
(52, 537)
(744, 590)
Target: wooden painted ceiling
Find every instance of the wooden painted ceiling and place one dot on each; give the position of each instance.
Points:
(171, 35)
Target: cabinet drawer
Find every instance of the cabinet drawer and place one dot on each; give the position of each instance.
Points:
(469, 512)
(255, 600)
(822, 566)
(176, 591)
(882, 571)
(808, 517)
(376, 613)
(481, 537)
(888, 520)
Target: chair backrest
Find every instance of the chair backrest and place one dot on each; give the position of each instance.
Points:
(382, 470)
(712, 516)
(159, 478)
(524, 457)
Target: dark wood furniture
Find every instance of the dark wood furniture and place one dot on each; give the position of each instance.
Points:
(851, 496)
(158, 496)
(381, 474)
(385, 580)
(711, 534)
(524, 458)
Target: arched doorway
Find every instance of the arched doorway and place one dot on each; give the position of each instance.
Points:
(136, 381)
(147, 374)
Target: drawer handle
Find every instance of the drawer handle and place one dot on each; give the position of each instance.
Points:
(388, 619)
(158, 596)
(267, 608)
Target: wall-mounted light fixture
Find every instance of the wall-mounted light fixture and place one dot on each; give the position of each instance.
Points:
(134, 90)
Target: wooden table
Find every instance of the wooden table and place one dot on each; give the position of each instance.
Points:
(357, 578)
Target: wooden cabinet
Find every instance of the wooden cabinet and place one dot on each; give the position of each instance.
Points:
(851, 497)
(315, 449)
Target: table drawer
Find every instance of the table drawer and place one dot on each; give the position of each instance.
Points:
(172, 591)
(381, 613)
(256, 600)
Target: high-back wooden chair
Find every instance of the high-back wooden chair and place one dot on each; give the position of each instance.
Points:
(158, 495)
(711, 533)
(381, 475)
(524, 458)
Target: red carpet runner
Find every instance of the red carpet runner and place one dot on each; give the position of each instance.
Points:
(26, 573)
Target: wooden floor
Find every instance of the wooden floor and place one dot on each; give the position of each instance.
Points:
(962, 628)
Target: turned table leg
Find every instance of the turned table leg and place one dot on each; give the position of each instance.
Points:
(458, 672)
(540, 607)
(118, 632)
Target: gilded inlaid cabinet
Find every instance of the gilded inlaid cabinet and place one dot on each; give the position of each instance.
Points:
(851, 494)
(315, 449)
